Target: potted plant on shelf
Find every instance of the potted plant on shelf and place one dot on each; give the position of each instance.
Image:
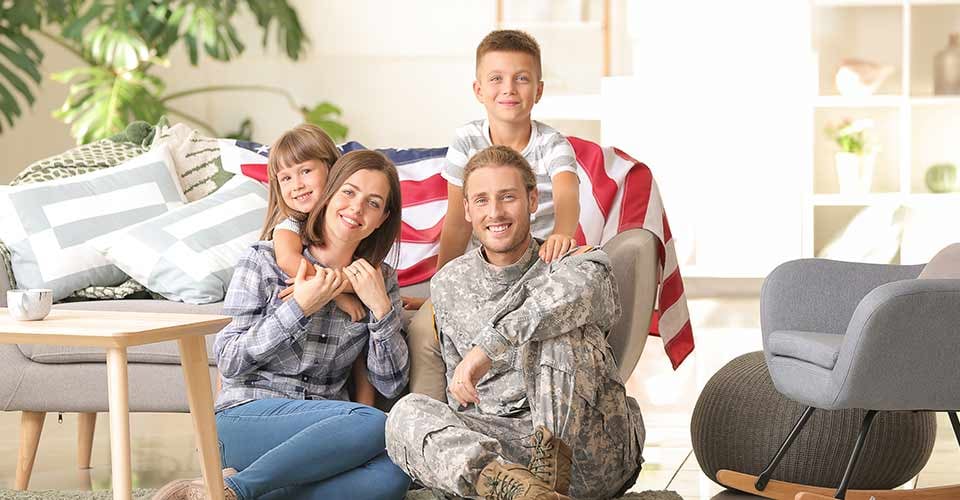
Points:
(857, 155)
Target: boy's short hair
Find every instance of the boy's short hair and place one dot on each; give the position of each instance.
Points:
(510, 41)
(501, 156)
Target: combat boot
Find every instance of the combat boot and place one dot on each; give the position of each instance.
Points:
(551, 459)
(506, 481)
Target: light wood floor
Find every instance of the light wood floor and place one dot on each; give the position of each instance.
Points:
(163, 445)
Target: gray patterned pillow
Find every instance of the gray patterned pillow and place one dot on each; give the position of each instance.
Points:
(189, 254)
(47, 226)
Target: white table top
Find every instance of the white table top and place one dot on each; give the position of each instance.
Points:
(107, 328)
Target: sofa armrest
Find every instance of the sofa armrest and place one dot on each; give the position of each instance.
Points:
(901, 348)
(635, 258)
(820, 295)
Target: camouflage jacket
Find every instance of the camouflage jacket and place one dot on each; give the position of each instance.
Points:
(503, 309)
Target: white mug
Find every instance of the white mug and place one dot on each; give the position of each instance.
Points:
(29, 305)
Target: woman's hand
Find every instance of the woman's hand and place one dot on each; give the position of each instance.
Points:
(368, 284)
(351, 305)
(556, 245)
(311, 295)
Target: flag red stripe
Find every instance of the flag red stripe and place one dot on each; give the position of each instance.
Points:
(636, 197)
(655, 323)
(432, 188)
(255, 171)
(680, 346)
(579, 236)
(417, 273)
(667, 236)
(409, 234)
(590, 157)
(671, 290)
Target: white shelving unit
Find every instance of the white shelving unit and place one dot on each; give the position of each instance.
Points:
(914, 128)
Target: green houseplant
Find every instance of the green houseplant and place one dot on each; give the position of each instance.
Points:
(119, 45)
(857, 156)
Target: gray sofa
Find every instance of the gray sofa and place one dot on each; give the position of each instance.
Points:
(39, 379)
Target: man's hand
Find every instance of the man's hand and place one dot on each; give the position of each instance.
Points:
(556, 245)
(413, 303)
(311, 295)
(471, 369)
(351, 305)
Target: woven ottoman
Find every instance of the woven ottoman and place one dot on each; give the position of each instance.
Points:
(740, 421)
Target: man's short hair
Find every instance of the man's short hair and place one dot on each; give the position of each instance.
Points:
(510, 41)
(501, 156)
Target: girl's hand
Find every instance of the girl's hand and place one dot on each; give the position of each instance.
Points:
(314, 293)
(368, 284)
(285, 293)
(351, 305)
(556, 245)
(412, 303)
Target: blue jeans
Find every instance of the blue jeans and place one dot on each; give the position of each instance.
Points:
(308, 450)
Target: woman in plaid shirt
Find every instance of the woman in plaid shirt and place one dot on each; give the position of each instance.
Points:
(283, 416)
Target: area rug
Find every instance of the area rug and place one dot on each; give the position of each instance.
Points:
(146, 494)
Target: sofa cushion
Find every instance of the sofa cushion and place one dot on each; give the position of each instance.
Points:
(198, 159)
(188, 254)
(47, 225)
(162, 352)
(821, 349)
(944, 265)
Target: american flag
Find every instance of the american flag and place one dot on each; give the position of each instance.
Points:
(617, 193)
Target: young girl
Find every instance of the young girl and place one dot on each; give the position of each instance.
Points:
(298, 166)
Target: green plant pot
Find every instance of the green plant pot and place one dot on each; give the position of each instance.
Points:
(941, 178)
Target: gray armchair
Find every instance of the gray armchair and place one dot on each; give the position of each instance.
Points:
(840, 335)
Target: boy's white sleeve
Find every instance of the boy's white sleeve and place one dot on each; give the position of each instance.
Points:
(457, 156)
(287, 224)
(560, 156)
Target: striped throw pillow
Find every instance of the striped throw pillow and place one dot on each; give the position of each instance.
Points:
(188, 255)
(48, 226)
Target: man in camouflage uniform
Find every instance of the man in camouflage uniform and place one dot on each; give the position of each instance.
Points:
(529, 373)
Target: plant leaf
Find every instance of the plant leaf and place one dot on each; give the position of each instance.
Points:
(290, 33)
(102, 103)
(75, 29)
(244, 133)
(20, 59)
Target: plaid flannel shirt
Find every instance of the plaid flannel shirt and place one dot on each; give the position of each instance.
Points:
(271, 350)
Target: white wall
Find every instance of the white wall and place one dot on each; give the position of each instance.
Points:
(401, 74)
(717, 107)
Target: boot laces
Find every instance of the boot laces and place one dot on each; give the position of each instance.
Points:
(505, 487)
(539, 464)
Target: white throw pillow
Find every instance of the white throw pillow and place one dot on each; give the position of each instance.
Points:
(873, 236)
(188, 255)
(47, 226)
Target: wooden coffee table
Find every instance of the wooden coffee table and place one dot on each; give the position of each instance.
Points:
(116, 331)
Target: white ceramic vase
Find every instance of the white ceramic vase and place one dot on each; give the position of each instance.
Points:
(855, 172)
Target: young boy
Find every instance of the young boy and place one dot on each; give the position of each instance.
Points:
(508, 83)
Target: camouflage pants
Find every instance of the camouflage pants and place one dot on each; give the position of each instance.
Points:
(583, 403)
